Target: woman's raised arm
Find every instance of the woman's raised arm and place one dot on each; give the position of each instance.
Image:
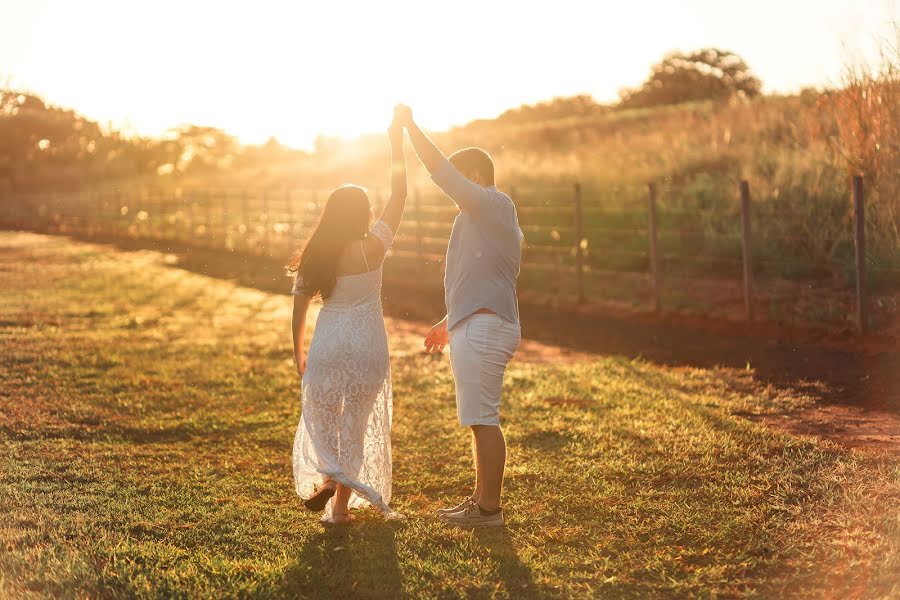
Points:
(393, 210)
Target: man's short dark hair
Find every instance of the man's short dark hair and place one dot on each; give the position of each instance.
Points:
(470, 161)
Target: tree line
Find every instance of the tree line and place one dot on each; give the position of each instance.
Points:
(44, 145)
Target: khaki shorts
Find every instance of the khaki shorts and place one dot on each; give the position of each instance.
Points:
(481, 345)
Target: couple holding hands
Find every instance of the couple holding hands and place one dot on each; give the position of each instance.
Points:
(342, 448)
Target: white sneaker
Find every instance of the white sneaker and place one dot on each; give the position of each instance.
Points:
(461, 506)
(472, 516)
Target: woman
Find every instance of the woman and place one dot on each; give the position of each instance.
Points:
(343, 444)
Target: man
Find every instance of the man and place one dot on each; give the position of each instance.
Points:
(482, 321)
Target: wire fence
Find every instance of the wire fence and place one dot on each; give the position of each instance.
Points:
(647, 247)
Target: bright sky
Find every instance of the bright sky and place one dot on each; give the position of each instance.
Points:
(294, 69)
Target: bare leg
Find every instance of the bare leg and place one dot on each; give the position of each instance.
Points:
(477, 493)
(340, 510)
(490, 451)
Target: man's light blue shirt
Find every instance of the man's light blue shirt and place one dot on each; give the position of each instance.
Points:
(485, 251)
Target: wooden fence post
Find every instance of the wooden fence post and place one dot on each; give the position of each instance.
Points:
(126, 202)
(249, 233)
(265, 215)
(136, 200)
(579, 246)
(165, 205)
(224, 217)
(177, 213)
(169, 207)
(218, 209)
(97, 218)
(116, 213)
(210, 235)
(170, 203)
(746, 249)
(859, 212)
(154, 211)
(140, 205)
(162, 208)
(654, 249)
(192, 215)
(168, 216)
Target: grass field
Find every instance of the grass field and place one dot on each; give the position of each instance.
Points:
(146, 421)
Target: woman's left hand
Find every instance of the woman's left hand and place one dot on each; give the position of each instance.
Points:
(300, 361)
(395, 133)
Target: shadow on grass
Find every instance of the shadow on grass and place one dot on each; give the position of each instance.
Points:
(362, 561)
(347, 562)
(174, 434)
(516, 575)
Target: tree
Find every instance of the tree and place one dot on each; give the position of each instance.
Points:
(204, 148)
(34, 135)
(708, 74)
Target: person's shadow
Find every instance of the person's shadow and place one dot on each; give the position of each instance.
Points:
(361, 561)
(353, 561)
(516, 576)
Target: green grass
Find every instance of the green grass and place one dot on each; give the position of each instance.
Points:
(146, 421)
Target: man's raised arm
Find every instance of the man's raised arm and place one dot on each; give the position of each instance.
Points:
(425, 149)
(468, 195)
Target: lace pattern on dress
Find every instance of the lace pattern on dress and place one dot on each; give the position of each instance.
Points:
(382, 231)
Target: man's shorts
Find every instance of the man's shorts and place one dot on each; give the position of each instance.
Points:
(481, 345)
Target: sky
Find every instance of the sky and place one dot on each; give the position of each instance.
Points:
(297, 69)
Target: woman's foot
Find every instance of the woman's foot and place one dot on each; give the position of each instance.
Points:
(317, 501)
(342, 518)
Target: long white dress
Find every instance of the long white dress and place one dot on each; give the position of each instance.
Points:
(345, 424)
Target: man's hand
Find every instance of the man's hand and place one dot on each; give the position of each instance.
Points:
(438, 337)
(403, 115)
(428, 153)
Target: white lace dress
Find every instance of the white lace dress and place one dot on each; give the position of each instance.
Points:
(345, 425)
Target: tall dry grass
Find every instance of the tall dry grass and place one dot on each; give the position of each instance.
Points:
(866, 114)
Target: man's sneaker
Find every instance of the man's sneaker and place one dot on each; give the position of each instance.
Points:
(473, 516)
(461, 506)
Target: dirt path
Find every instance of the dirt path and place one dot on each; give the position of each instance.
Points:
(849, 426)
(856, 385)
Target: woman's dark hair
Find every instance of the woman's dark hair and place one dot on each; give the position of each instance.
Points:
(345, 219)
